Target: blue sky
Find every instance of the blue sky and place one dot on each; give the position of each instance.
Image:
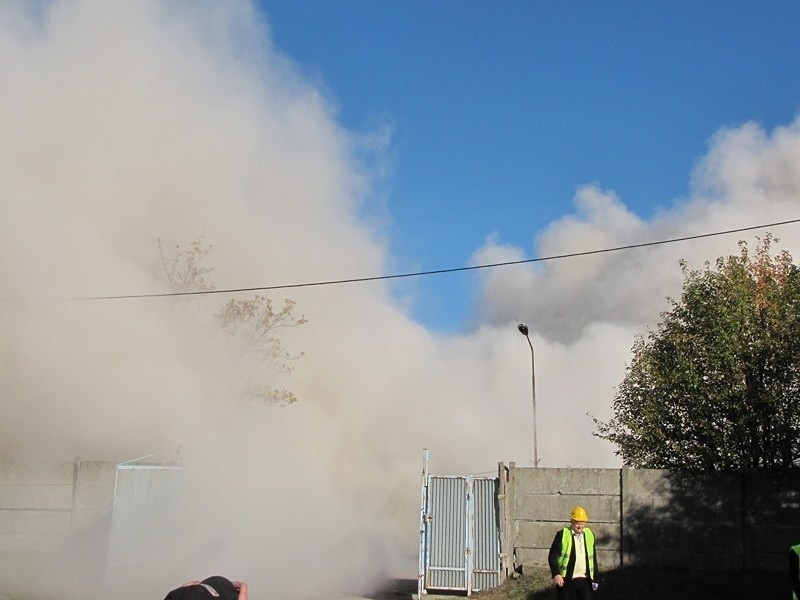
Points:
(499, 111)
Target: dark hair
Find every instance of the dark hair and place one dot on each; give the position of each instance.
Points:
(208, 589)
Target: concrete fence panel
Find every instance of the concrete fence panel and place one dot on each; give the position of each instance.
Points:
(656, 517)
(43, 504)
(35, 505)
(772, 518)
(541, 502)
(682, 520)
(93, 492)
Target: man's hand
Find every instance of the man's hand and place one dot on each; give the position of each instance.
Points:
(559, 580)
(242, 587)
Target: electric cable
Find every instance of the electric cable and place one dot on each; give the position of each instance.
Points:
(327, 282)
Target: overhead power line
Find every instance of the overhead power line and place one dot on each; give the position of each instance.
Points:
(265, 288)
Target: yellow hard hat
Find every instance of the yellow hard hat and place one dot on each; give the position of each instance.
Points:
(579, 514)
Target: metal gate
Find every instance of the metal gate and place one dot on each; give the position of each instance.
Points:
(459, 533)
(144, 521)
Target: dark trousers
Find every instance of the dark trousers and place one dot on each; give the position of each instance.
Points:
(575, 589)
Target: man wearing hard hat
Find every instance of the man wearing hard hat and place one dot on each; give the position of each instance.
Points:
(573, 561)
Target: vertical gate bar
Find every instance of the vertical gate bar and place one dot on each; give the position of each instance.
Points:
(470, 530)
(502, 508)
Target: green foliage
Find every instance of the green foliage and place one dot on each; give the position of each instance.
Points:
(250, 325)
(715, 386)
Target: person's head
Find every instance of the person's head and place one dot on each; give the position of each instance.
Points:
(578, 518)
(211, 588)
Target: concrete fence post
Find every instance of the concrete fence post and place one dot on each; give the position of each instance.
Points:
(622, 478)
(76, 485)
(502, 507)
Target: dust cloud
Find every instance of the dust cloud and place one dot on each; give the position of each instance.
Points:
(128, 123)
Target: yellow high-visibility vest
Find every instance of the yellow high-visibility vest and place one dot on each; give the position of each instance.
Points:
(566, 548)
(796, 550)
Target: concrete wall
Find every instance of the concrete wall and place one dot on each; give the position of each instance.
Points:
(654, 517)
(540, 501)
(41, 505)
(58, 518)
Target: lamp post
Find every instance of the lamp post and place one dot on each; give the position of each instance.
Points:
(523, 329)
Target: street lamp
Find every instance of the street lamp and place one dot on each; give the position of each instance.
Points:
(523, 329)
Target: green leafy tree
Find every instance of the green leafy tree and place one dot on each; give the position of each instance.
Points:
(251, 326)
(716, 386)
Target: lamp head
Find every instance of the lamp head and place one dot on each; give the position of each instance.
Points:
(523, 329)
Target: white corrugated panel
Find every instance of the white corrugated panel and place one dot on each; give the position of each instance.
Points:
(144, 521)
(461, 546)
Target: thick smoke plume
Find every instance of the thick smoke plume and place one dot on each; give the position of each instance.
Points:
(129, 123)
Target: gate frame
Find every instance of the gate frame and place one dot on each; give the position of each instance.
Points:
(469, 534)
